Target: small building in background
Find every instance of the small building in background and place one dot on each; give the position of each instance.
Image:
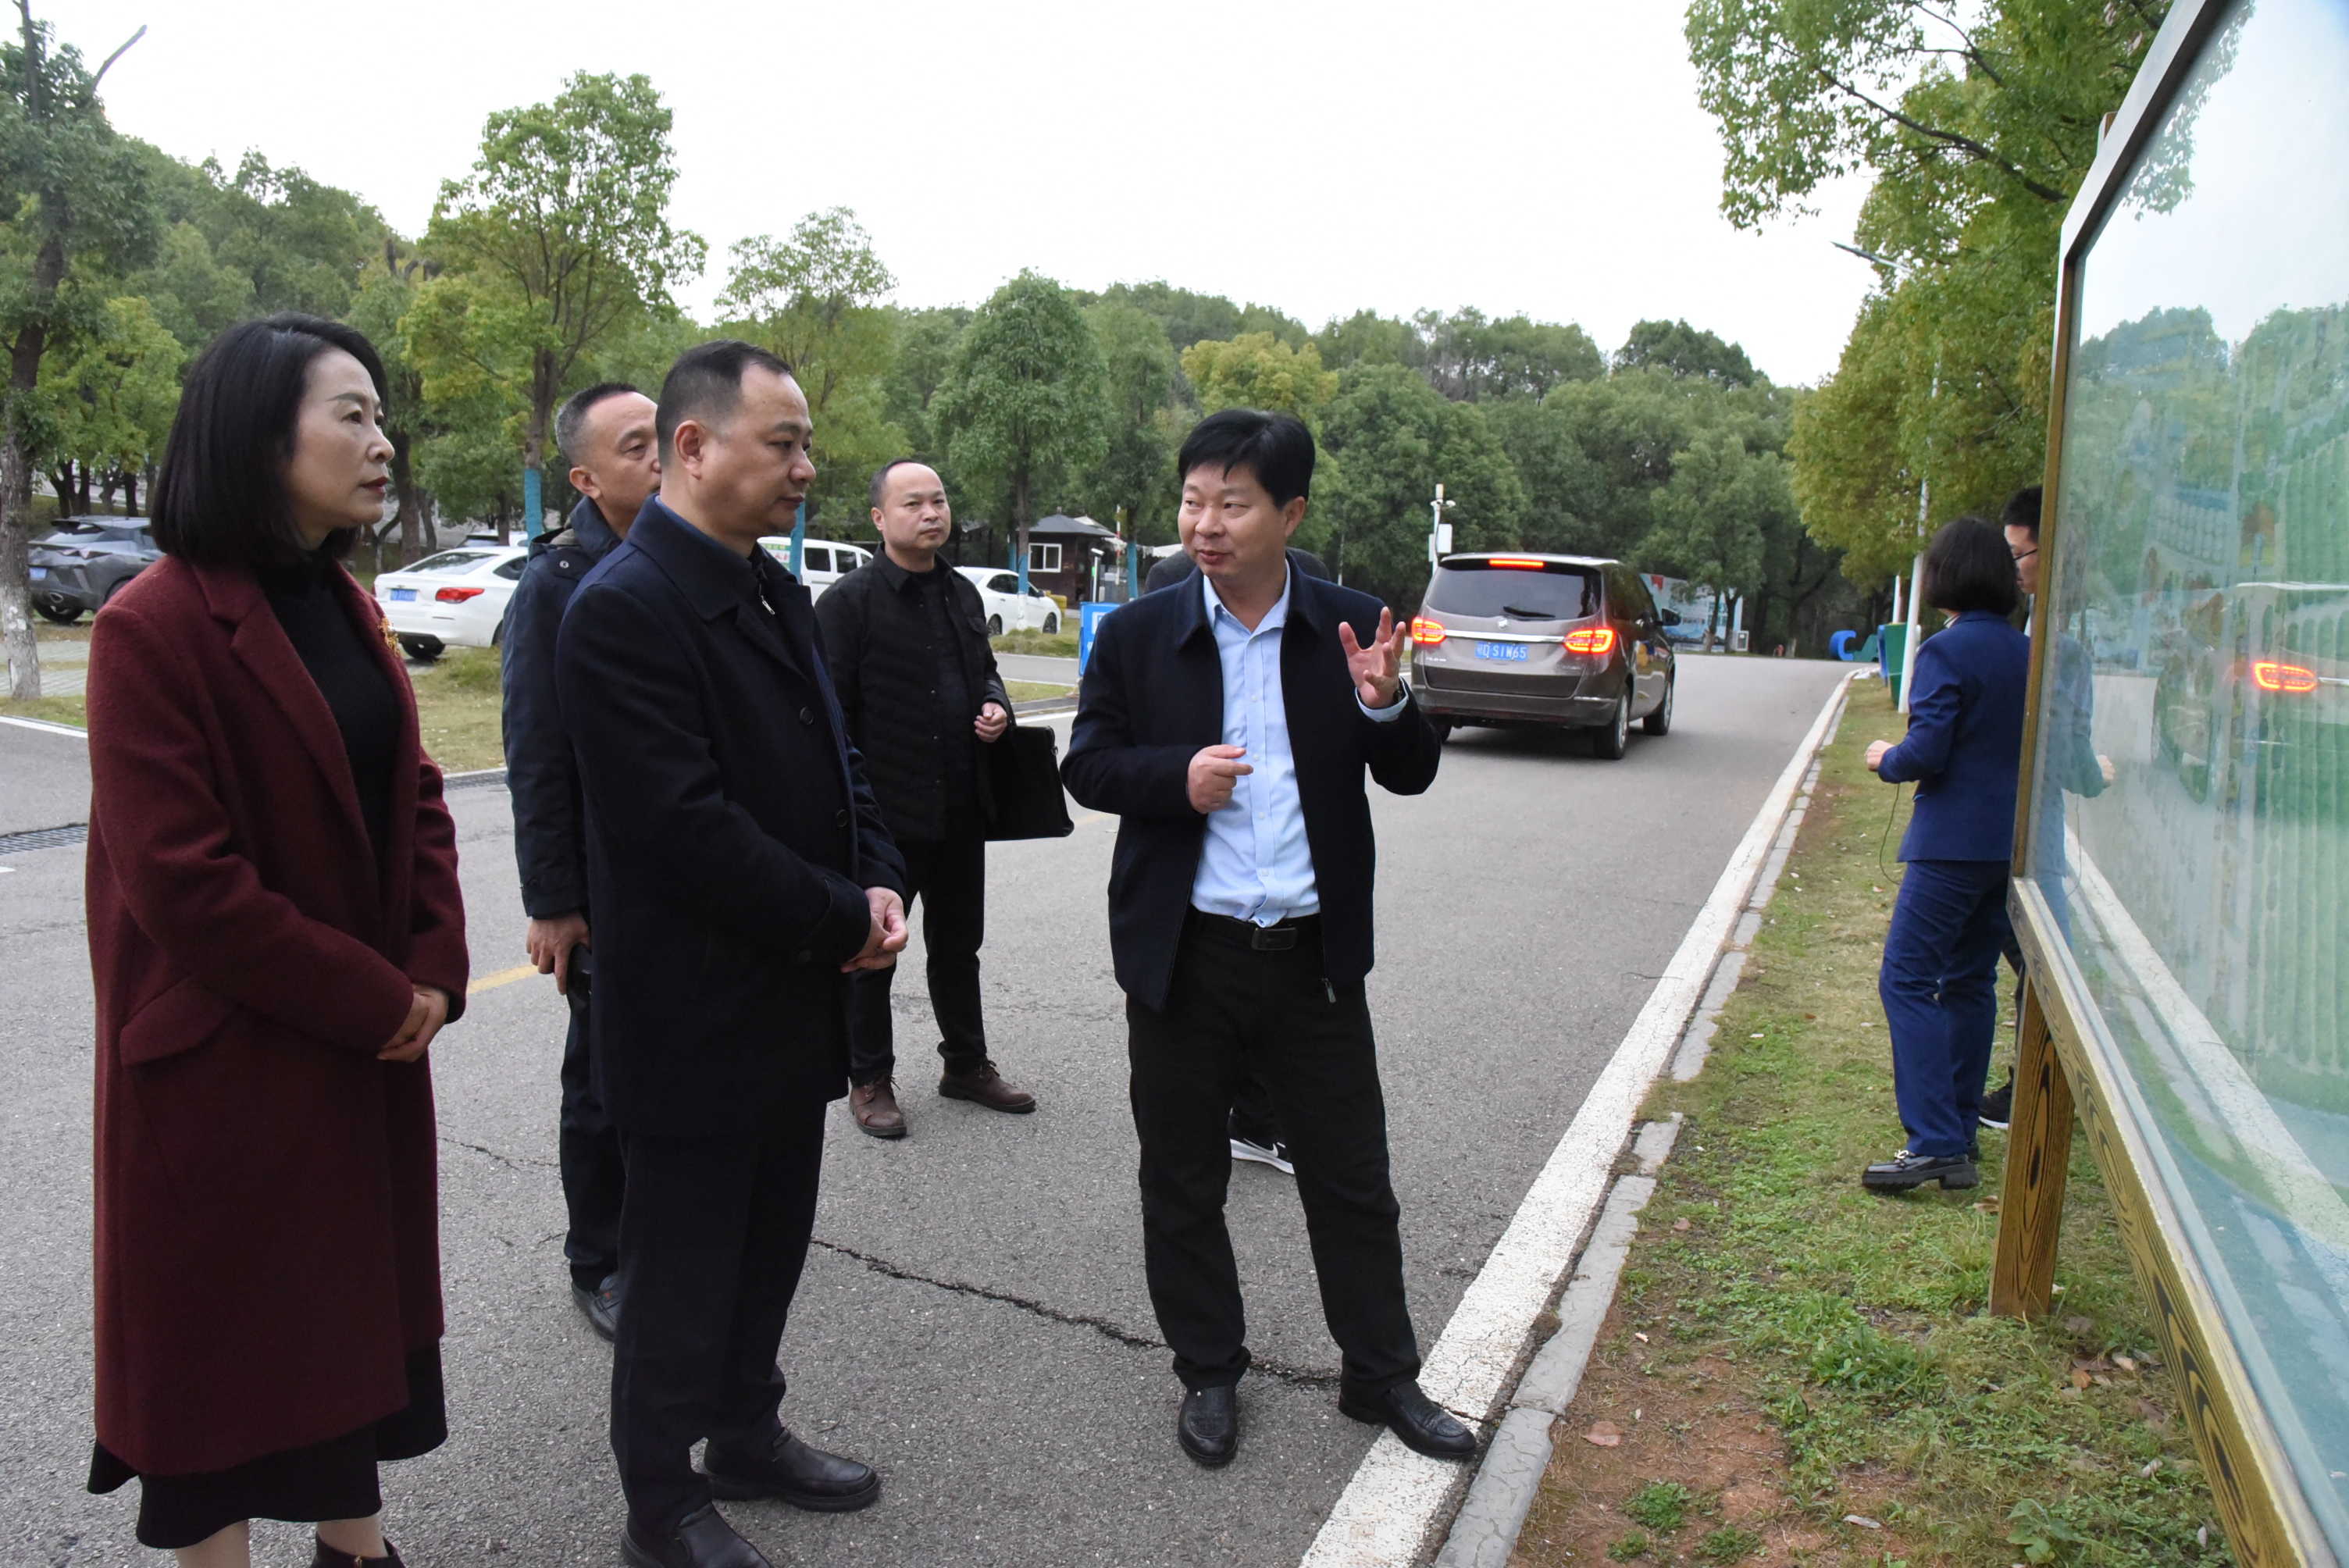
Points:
(1076, 558)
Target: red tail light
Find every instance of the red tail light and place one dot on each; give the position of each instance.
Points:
(1591, 640)
(1515, 565)
(459, 596)
(2273, 676)
(1426, 633)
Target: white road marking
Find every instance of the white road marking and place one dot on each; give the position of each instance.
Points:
(45, 728)
(1390, 1507)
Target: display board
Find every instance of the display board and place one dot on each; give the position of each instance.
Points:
(2183, 853)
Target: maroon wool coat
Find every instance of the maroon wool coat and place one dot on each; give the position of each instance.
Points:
(267, 1204)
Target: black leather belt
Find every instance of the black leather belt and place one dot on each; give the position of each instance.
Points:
(1280, 938)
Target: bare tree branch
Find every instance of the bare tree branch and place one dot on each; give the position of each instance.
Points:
(1963, 143)
(114, 56)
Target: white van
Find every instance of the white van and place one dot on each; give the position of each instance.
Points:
(822, 561)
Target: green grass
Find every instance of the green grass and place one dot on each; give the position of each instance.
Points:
(1857, 1323)
(1630, 1549)
(1661, 1505)
(54, 709)
(458, 705)
(1059, 645)
(1035, 691)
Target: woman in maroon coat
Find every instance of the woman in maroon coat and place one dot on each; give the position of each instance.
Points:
(277, 935)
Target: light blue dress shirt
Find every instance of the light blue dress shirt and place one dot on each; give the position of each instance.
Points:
(1255, 863)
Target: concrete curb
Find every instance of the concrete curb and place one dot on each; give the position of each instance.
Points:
(1483, 1532)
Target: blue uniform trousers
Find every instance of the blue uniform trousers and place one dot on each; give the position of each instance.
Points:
(1940, 988)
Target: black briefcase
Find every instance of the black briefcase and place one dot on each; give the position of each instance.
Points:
(1024, 800)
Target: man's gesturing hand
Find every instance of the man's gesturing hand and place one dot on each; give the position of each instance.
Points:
(1375, 669)
(550, 943)
(1214, 771)
(886, 938)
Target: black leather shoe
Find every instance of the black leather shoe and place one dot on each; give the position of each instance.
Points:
(327, 1557)
(601, 1304)
(702, 1539)
(1208, 1426)
(802, 1476)
(1905, 1171)
(1424, 1426)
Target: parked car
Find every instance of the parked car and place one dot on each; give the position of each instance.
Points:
(1008, 609)
(79, 565)
(455, 599)
(1556, 640)
(822, 561)
(2252, 706)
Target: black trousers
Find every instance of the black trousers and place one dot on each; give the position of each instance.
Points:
(587, 1148)
(1236, 1012)
(712, 1239)
(948, 879)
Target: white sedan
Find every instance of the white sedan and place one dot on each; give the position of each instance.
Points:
(455, 599)
(1008, 609)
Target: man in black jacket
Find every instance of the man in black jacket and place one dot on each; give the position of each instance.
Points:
(906, 641)
(739, 873)
(1229, 723)
(607, 434)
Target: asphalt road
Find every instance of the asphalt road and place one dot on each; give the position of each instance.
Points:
(973, 1319)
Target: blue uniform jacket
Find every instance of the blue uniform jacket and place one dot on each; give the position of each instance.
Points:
(1964, 746)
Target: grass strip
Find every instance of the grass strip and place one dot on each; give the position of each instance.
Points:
(54, 709)
(1797, 1370)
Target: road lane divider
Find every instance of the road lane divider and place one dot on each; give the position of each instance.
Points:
(1391, 1511)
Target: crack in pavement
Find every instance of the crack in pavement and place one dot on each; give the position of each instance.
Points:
(1298, 1376)
(511, 1162)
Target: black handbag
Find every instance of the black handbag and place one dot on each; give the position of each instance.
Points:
(1024, 799)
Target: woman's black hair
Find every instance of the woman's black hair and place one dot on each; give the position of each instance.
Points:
(220, 497)
(1967, 567)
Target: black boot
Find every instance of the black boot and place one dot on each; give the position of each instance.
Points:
(329, 1557)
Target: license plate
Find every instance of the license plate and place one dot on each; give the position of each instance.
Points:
(403, 595)
(1509, 653)
(39, 572)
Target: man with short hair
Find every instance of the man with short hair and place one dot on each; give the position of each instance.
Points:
(905, 639)
(1229, 722)
(606, 434)
(739, 873)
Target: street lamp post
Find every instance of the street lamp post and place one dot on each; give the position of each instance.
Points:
(1439, 533)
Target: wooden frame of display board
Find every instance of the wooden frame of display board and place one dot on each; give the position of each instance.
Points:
(2068, 1063)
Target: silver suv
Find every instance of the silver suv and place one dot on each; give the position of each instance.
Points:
(1559, 640)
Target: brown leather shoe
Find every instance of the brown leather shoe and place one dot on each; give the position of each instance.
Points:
(874, 1107)
(982, 1085)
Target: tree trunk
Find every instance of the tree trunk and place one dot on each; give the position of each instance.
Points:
(16, 561)
(1019, 520)
(131, 494)
(410, 511)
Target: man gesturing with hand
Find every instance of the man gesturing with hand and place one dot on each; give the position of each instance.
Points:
(1229, 722)
(740, 874)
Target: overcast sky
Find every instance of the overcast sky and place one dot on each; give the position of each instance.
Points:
(1549, 158)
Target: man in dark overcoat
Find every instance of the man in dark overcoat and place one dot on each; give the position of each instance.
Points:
(1229, 722)
(906, 638)
(607, 432)
(739, 871)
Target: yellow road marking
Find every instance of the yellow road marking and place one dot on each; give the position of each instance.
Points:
(502, 977)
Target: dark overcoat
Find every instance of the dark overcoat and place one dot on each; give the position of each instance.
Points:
(1153, 695)
(730, 834)
(267, 1246)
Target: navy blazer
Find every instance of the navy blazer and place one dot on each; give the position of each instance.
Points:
(540, 774)
(1964, 746)
(730, 833)
(1153, 695)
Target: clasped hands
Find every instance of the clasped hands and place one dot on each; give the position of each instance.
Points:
(1376, 674)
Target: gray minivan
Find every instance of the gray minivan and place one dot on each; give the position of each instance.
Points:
(1568, 641)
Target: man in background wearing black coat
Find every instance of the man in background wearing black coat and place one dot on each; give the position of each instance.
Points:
(1229, 722)
(739, 871)
(906, 638)
(607, 434)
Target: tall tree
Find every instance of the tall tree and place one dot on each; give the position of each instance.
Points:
(1390, 439)
(1471, 359)
(113, 394)
(1135, 480)
(1679, 349)
(1712, 514)
(385, 295)
(815, 299)
(558, 238)
(1023, 399)
(72, 195)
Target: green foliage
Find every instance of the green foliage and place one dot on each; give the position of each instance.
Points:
(1679, 349)
(1144, 421)
(1630, 1548)
(555, 241)
(1472, 359)
(114, 390)
(1661, 1505)
(1256, 370)
(1728, 1544)
(1023, 399)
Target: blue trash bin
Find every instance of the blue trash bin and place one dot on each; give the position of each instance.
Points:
(1094, 611)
